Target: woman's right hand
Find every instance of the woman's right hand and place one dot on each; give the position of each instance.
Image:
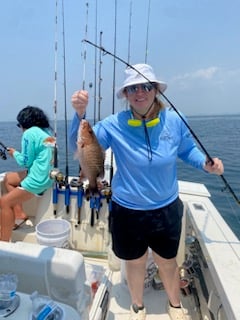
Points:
(80, 102)
(10, 151)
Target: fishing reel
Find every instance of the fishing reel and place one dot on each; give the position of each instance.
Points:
(3, 154)
(57, 175)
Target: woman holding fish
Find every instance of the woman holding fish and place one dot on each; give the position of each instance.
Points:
(146, 211)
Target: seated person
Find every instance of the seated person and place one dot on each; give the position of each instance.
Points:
(37, 158)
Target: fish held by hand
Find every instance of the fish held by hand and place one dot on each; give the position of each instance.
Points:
(91, 156)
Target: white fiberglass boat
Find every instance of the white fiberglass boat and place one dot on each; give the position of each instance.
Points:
(88, 281)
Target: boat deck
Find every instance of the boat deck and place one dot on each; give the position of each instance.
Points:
(155, 300)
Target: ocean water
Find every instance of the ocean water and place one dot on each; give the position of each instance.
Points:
(220, 136)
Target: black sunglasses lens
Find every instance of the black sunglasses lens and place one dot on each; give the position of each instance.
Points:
(147, 87)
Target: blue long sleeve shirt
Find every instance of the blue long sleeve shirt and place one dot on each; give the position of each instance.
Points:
(140, 183)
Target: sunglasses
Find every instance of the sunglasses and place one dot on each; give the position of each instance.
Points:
(18, 125)
(147, 87)
(138, 123)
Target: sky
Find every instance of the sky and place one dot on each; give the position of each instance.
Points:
(192, 45)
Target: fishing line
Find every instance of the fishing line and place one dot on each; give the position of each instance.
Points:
(229, 204)
(233, 210)
(209, 158)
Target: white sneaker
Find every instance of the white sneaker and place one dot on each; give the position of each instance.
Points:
(178, 313)
(140, 315)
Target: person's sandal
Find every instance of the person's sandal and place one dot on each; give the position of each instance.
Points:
(137, 313)
(19, 223)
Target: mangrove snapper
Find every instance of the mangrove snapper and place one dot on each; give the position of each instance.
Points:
(91, 156)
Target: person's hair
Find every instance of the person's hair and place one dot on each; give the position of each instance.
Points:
(160, 105)
(33, 116)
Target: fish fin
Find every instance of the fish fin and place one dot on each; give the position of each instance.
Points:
(81, 176)
(101, 174)
(92, 189)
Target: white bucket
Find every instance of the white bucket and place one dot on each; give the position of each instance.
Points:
(53, 233)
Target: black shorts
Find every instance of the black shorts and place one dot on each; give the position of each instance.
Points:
(133, 231)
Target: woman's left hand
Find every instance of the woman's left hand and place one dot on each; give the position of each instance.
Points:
(216, 168)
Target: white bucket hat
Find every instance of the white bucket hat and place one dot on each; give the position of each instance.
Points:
(133, 77)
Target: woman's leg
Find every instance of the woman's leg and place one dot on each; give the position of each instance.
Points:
(7, 204)
(169, 274)
(135, 275)
(11, 181)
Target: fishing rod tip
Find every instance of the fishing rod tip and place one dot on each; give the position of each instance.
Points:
(86, 40)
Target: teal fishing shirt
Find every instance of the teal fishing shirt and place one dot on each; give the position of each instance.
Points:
(37, 157)
(141, 183)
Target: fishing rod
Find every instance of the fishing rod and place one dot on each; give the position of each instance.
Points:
(55, 86)
(84, 60)
(129, 39)
(114, 77)
(209, 158)
(65, 88)
(100, 78)
(67, 187)
(129, 31)
(55, 172)
(114, 55)
(95, 64)
(85, 51)
(146, 50)
(3, 155)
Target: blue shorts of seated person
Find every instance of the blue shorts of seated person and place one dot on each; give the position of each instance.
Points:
(133, 231)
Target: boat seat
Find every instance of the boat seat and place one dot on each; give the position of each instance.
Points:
(56, 272)
(36, 207)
